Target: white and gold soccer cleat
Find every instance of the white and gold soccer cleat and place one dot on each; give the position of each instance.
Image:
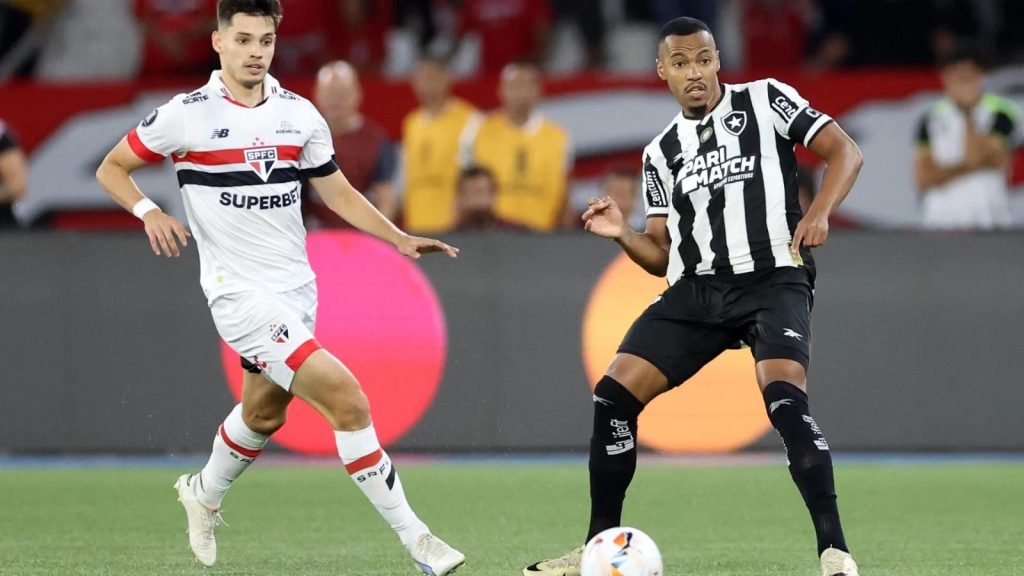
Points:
(837, 563)
(201, 520)
(567, 565)
(434, 556)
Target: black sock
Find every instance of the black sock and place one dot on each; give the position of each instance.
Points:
(612, 453)
(810, 462)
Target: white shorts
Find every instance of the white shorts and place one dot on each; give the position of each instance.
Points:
(273, 333)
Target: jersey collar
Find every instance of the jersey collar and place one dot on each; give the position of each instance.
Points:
(270, 87)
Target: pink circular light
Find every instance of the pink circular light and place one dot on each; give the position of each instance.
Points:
(379, 315)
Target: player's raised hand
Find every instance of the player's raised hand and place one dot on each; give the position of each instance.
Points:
(603, 217)
(811, 231)
(414, 247)
(165, 233)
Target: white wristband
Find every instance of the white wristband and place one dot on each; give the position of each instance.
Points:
(143, 206)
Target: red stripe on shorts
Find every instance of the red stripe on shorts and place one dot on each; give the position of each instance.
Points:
(249, 452)
(301, 353)
(365, 462)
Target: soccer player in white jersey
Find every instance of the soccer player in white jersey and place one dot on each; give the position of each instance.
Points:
(240, 145)
(725, 227)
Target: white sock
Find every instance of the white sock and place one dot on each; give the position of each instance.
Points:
(234, 447)
(372, 471)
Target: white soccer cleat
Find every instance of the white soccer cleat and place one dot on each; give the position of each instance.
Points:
(568, 565)
(435, 557)
(837, 563)
(201, 521)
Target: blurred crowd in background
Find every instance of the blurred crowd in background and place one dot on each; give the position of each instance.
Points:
(455, 167)
(73, 38)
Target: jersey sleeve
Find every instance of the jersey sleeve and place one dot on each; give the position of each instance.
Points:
(657, 184)
(792, 114)
(317, 157)
(164, 131)
(922, 138)
(1006, 124)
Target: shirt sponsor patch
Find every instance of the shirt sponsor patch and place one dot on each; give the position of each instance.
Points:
(784, 107)
(656, 196)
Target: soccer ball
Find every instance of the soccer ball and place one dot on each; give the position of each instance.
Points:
(621, 551)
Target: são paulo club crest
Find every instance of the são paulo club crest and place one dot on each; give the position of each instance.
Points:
(279, 333)
(261, 159)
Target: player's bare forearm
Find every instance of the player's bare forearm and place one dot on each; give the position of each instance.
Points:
(166, 234)
(844, 160)
(645, 250)
(114, 175)
(347, 202)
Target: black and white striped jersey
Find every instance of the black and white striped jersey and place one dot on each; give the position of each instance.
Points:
(727, 182)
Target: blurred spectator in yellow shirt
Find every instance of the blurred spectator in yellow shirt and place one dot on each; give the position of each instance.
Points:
(433, 137)
(530, 156)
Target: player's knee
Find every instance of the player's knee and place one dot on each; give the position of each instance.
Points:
(263, 420)
(350, 409)
(616, 399)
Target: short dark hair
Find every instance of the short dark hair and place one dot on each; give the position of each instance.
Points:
(226, 10)
(476, 171)
(682, 26)
(964, 51)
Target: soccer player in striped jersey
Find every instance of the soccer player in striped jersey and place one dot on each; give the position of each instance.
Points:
(240, 145)
(726, 229)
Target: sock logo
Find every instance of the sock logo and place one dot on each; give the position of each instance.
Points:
(820, 440)
(813, 424)
(623, 437)
(775, 405)
(381, 470)
(602, 401)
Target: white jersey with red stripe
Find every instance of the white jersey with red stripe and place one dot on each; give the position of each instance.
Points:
(239, 170)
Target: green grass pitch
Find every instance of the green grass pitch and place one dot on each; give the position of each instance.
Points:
(929, 519)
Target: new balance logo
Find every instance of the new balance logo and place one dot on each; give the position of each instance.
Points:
(219, 133)
(792, 334)
(774, 405)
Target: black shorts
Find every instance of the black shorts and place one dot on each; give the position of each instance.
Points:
(699, 317)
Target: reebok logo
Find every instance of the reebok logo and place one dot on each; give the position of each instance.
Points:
(775, 405)
(792, 334)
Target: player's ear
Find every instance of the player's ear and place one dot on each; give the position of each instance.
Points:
(660, 68)
(718, 61)
(217, 40)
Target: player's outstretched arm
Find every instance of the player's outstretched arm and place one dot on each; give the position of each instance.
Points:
(648, 249)
(844, 159)
(114, 175)
(339, 195)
